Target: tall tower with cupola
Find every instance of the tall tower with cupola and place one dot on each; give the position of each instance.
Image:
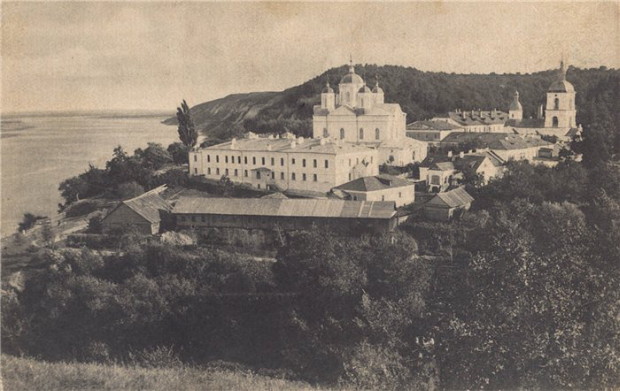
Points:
(560, 110)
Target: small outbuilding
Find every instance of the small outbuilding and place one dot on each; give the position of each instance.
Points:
(379, 188)
(143, 213)
(444, 206)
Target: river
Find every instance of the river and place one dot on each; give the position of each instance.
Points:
(38, 151)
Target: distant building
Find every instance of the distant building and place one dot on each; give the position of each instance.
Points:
(144, 214)
(380, 188)
(285, 164)
(478, 121)
(444, 206)
(438, 172)
(431, 132)
(235, 215)
(559, 118)
(448, 169)
(506, 145)
(357, 114)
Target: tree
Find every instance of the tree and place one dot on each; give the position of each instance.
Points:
(187, 132)
(48, 236)
(154, 156)
(28, 222)
(178, 152)
(129, 190)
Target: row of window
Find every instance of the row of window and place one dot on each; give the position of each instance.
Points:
(235, 173)
(263, 161)
(361, 133)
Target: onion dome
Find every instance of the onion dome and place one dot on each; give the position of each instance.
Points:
(364, 89)
(327, 89)
(377, 89)
(351, 77)
(516, 105)
(561, 85)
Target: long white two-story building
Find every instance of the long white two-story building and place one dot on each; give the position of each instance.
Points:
(285, 163)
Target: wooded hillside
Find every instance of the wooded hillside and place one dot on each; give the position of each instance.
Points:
(421, 94)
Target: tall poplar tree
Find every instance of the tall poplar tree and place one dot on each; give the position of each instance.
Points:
(187, 131)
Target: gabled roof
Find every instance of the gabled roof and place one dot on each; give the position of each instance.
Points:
(453, 198)
(147, 205)
(327, 208)
(374, 183)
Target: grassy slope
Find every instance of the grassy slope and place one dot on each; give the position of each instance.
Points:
(27, 374)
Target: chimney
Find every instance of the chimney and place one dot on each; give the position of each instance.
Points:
(269, 147)
(293, 144)
(300, 140)
(461, 154)
(449, 153)
(323, 141)
(233, 143)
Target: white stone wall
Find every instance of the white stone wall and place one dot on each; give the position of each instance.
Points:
(400, 195)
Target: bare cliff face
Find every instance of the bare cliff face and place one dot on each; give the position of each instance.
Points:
(230, 110)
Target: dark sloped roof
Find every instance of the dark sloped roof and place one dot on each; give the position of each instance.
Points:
(373, 183)
(148, 205)
(453, 198)
(504, 141)
(286, 207)
(478, 117)
(432, 125)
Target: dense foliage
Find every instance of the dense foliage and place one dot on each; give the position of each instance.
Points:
(520, 292)
(126, 176)
(423, 95)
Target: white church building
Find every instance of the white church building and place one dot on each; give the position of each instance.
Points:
(360, 115)
(354, 131)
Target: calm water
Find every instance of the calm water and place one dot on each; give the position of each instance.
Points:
(40, 151)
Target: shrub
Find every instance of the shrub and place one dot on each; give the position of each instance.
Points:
(92, 241)
(157, 357)
(95, 224)
(82, 208)
(129, 190)
(28, 222)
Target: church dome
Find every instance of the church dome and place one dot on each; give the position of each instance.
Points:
(515, 105)
(327, 89)
(561, 86)
(351, 78)
(364, 89)
(377, 89)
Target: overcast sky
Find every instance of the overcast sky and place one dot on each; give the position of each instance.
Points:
(70, 56)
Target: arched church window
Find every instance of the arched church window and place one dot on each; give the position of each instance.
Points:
(361, 133)
(342, 133)
(556, 104)
(555, 122)
(325, 134)
(377, 134)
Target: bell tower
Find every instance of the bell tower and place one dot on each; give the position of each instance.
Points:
(560, 109)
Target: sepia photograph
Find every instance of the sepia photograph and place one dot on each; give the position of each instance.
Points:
(258, 195)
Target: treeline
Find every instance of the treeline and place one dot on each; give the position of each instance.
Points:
(126, 176)
(423, 95)
(520, 293)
